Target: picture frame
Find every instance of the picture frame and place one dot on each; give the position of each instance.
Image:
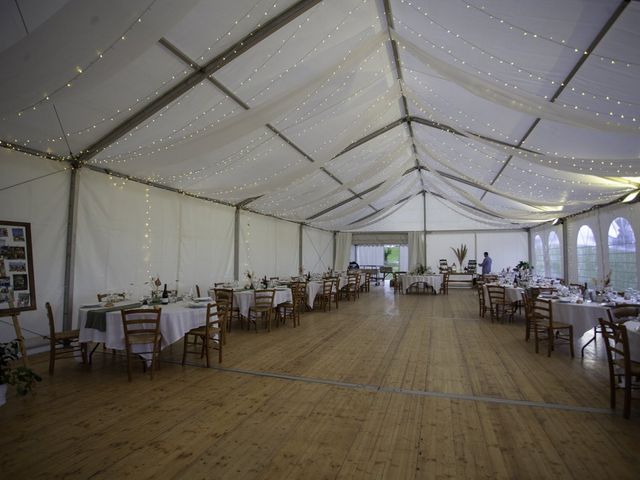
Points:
(16, 267)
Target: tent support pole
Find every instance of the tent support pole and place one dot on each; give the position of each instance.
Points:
(300, 233)
(70, 253)
(236, 246)
(565, 253)
(529, 253)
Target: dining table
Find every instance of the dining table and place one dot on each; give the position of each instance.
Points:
(244, 299)
(432, 280)
(103, 324)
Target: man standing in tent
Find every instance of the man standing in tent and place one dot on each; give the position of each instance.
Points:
(486, 264)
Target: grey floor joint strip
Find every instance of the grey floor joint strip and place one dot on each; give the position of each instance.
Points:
(418, 393)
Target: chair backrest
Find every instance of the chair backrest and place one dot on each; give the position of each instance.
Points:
(298, 289)
(52, 323)
(119, 296)
(219, 284)
(197, 291)
(622, 312)
(541, 311)
(263, 299)
(472, 264)
(143, 323)
(616, 342)
(328, 285)
(216, 316)
(352, 282)
(527, 301)
(577, 285)
(495, 293)
(225, 296)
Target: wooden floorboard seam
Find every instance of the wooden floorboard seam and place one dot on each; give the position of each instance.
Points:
(415, 393)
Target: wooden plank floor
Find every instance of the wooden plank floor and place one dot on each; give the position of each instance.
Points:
(399, 387)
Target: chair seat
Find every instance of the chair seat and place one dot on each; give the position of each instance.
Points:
(141, 338)
(203, 330)
(69, 334)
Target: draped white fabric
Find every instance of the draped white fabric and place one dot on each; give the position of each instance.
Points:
(417, 250)
(186, 241)
(268, 246)
(404, 258)
(370, 255)
(317, 250)
(343, 249)
(36, 191)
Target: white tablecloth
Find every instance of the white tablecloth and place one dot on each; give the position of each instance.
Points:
(633, 332)
(434, 281)
(511, 294)
(583, 316)
(243, 299)
(176, 320)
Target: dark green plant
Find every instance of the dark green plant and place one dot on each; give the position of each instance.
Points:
(523, 265)
(22, 377)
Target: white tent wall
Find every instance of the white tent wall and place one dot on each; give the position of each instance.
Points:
(439, 246)
(115, 249)
(268, 246)
(206, 243)
(544, 232)
(186, 242)
(599, 221)
(506, 249)
(36, 191)
(317, 250)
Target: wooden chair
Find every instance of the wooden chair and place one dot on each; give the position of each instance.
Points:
(617, 314)
(366, 286)
(527, 301)
(225, 295)
(329, 293)
(292, 309)
(546, 330)
(482, 305)
(197, 290)
(579, 286)
(63, 344)
(142, 328)
(624, 373)
(349, 291)
(443, 266)
(396, 282)
(262, 308)
(444, 289)
(498, 305)
(211, 335)
(118, 296)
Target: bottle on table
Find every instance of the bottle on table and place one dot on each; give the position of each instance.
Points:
(165, 295)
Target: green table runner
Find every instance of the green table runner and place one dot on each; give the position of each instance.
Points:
(97, 319)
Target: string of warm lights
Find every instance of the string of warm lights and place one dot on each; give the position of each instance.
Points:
(533, 36)
(520, 70)
(80, 69)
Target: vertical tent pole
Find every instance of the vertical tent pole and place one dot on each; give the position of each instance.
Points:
(300, 233)
(236, 246)
(565, 252)
(70, 255)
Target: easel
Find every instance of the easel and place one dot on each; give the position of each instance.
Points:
(13, 313)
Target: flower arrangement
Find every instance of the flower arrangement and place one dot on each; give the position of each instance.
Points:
(523, 265)
(22, 377)
(460, 253)
(419, 270)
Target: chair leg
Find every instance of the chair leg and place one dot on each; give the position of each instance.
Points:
(184, 350)
(627, 395)
(550, 337)
(129, 363)
(571, 341)
(52, 356)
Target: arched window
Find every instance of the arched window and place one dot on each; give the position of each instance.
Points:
(555, 256)
(587, 254)
(538, 255)
(622, 254)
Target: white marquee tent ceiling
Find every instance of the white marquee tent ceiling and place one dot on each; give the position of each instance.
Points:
(335, 113)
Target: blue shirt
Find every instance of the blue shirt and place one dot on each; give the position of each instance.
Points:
(486, 265)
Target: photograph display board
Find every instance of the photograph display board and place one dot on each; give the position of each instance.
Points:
(16, 267)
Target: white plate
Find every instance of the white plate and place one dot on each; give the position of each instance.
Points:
(197, 305)
(565, 300)
(202, 299)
